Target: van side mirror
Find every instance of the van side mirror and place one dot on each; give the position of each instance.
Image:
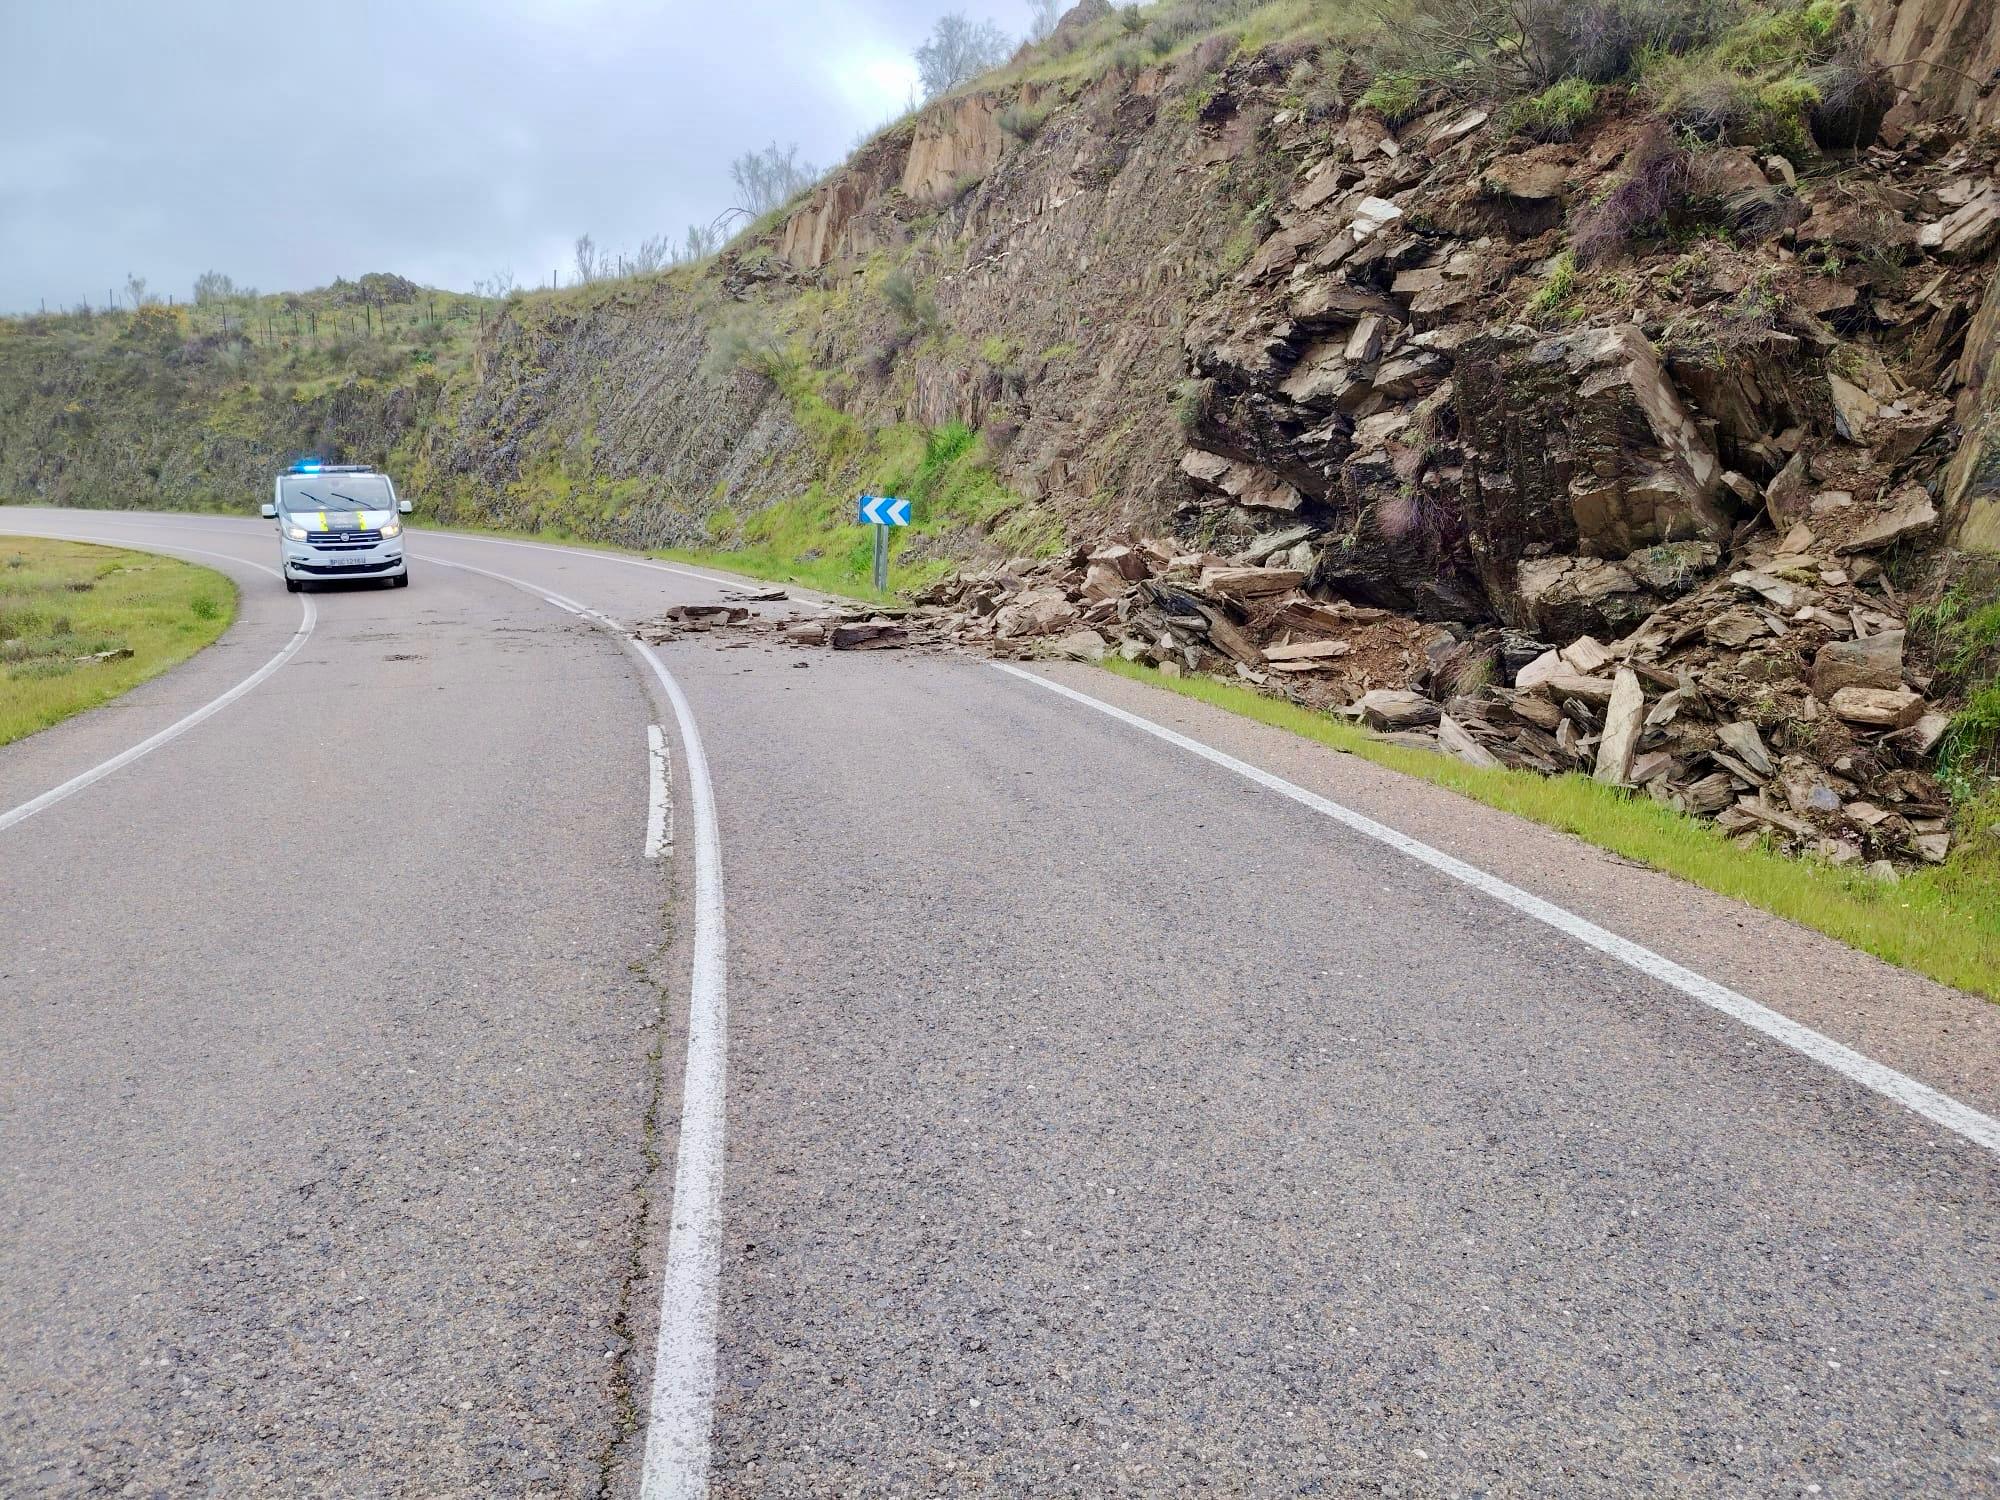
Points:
(268, 511)
(405, 507)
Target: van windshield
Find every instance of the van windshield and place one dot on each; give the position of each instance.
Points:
(337, 492)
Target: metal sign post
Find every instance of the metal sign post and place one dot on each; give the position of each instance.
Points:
(882, 512)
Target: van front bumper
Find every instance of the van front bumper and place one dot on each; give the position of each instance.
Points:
(304, 560)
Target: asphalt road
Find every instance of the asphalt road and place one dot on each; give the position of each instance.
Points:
(1096, 1121)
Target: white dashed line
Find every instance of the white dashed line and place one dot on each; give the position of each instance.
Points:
(1935, 1106)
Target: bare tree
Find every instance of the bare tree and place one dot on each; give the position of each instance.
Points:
(770, 178)
(654, 251)
(702, 241)
(1042, 18)
(959, 51)
(211, 287)
(135, 288)
(589, 264)
(496, 286)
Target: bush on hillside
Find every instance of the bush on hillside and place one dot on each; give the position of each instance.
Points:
(1657, 183)
(1023, 121)
(1396, 96)
(913, 308)
(1555, 114)
(1503, 48)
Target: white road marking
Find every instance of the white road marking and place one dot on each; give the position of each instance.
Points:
(681, 1410)
(660, 806)
(678, 1430)
(1937, 1107)
(307, 616)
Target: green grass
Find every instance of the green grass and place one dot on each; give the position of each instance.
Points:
(1551, 301)
(1555, 114)
(1944, 922)
(61, 601)
(1395, 96)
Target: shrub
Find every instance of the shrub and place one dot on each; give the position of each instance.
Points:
(913, 307)
(1509, 47)
(1395, 96)
(1699, 98)
(1191, 398)
(1551, 300)
(1654, 187)
(742, 340)
(1854, 95)
(1023, 121)
(1783, 108)
(1168, 32)
(1556, 113)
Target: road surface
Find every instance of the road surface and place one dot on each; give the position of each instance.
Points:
(980, 1093)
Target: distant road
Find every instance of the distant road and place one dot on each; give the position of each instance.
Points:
(1040, 1105)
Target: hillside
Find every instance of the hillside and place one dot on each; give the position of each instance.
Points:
(1534, 335)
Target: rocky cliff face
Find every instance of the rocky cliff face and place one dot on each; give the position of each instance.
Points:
(1945, 54)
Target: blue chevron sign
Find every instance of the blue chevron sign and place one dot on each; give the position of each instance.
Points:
(883, 510)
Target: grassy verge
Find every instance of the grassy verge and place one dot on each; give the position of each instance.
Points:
(64, 604)
(1944, 923)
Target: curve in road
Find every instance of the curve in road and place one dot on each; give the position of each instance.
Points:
(1092, 1126)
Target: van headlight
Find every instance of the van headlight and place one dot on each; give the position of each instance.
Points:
(296, 533)
(392, 528)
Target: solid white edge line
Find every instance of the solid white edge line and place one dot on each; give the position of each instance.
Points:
(1937, 1107)
(680, 1412)
(659, 803)
(681, 1417)
(307, 616)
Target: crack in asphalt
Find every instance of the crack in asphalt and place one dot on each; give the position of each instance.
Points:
(628, 1419)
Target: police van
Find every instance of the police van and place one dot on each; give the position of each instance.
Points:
(338, 521)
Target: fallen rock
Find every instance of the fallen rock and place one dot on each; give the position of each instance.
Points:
(1310, 652)
(1891, 708)
(1623, 718)
(1250, 583)
(1394, 708)
(1592, 690)
(1035, 612)
(867, 635)
(1452, 737)
(1875, 661)
(1748, 745)
(1910, 514)
(1080, 645)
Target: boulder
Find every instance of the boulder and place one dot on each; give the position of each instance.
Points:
(1578, 443)
(1874, 661)
(1394, 708)
(1125, 561)
(1250, 583)
(1453, 737)
(1241, 483)
(1910, 513)
(1887, 708)
(1623, 720)
(1080, 645)
(1035, 612)
(1966, 234)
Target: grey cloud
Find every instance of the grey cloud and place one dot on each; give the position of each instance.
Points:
(287, 144)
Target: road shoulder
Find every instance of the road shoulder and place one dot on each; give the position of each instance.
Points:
(1944, 1037)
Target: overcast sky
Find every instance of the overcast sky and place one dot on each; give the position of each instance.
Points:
(286, 142)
